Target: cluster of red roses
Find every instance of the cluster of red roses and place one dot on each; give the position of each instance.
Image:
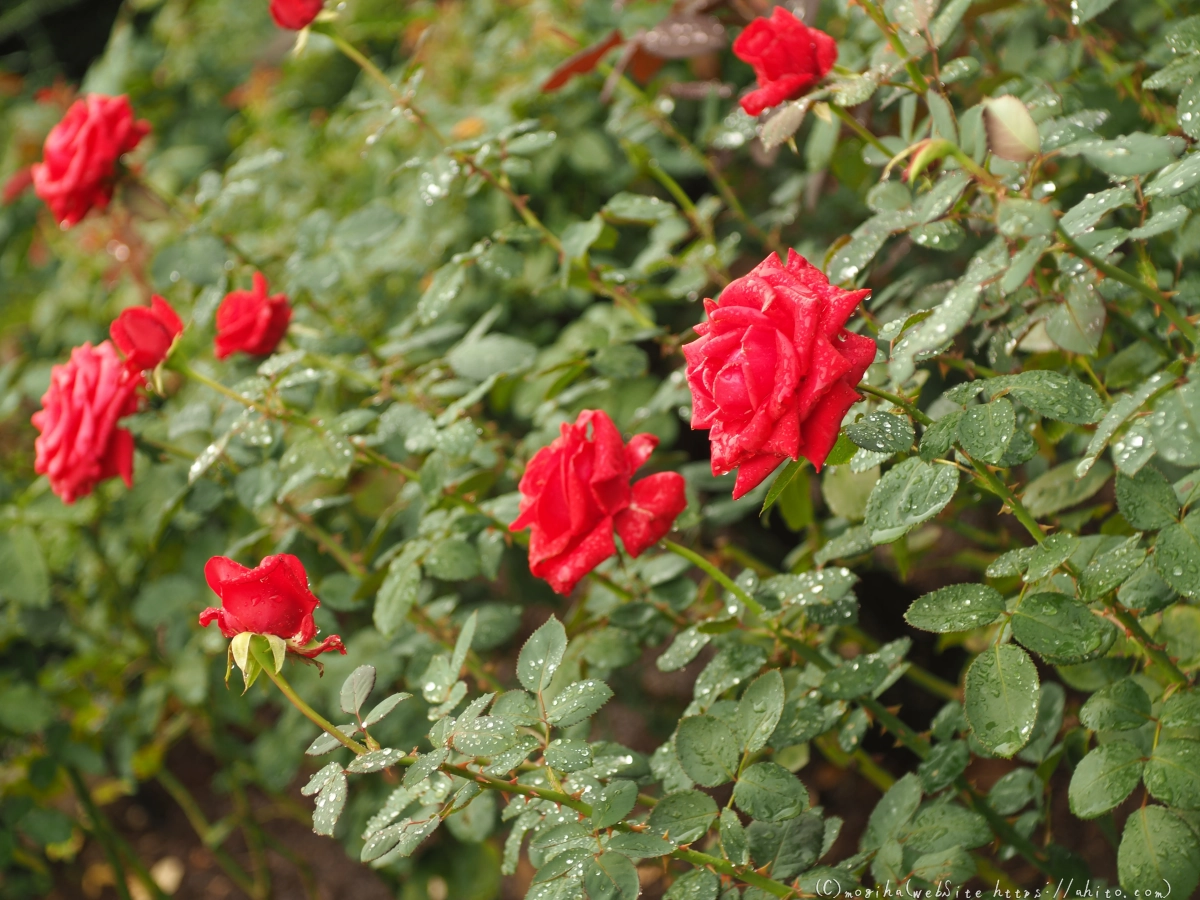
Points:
(772, 374)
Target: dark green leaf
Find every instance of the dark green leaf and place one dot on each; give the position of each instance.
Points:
(1002, 698)
(959, 607)
(1105, 777)
(770, 792)
(707, 750)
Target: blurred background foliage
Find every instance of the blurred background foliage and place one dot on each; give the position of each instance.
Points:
(472, 260)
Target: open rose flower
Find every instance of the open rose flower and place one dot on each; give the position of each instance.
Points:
(774, 371)
(788, 58)
(271, 599)
(79, 160)
(80, 443)
(295, 14)
(250, 321)
(145, 333)
(576, 492)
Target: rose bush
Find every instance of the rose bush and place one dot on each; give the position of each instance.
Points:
(920, 610)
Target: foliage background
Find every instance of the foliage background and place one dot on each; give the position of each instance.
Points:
(441, 335)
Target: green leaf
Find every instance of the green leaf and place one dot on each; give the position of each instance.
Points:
(684, 648)
(939, 826)
(492, 354)
(1147, 500)
(331, 800)
(951, 866)
(1158, 852)
(542, 655)
(1188, 110)
(25, 581)
(697, 884)
(1131, 154)
(1059, 488)
(1047, 556)
(568, 755)
(399, 590)
(401, 839)
(734, 843)
(1185, 174)
(910, 493)
(384, 708)
(944, 764)
(637, 208)
(843, 451)
(1002, 698)
(769, 792)
(1061, 629)
(356, 689)
(685, 816)
(759, 710)
(613, 803)
(1050, 394)
(452, 560)
(1107, 571)
(637, 845)
(959, 607)
(1181, 710)
(782, 480)
(882, 432)
(1078, 324)
(1120, 706)
(1085, 214)
(854, 678)
(375, 761)
(1177, 555)
(939, 437)
(1173, 773)
(985, 431)
(893, 812)
(577, 702)
(610, 876)
(707, 750)
(1104, 778)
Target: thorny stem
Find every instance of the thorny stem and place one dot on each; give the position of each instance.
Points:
(1155, 296)
(857, 127)
(1131, 625)
(667, 127)
(881, 21)
(196, 818)
(268, 666)
(101, 831)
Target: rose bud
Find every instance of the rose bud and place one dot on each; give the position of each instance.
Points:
(80, 443)
(250, 321)
(272, 599)
(576, 492)
(773, 372)
(1012, 133)
(79, 160)
(788, 58)
(295, 14)
(145, 334)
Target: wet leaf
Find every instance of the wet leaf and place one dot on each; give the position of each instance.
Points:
(1002, 698)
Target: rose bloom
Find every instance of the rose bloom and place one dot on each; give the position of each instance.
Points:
(295, 14)
(271, 599)
(576, 491)
(80, 443)
(79, 160)
(250, 321)
(788, 58)
(774, 371)
(145, 333)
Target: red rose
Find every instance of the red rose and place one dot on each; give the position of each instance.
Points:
(774, 371)
(16, 185)
(250, 321)
(576, 491)
(80, 443)
(788, 58)
(79, 160)
(295, 14)
(145, 334)
(271, 599)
